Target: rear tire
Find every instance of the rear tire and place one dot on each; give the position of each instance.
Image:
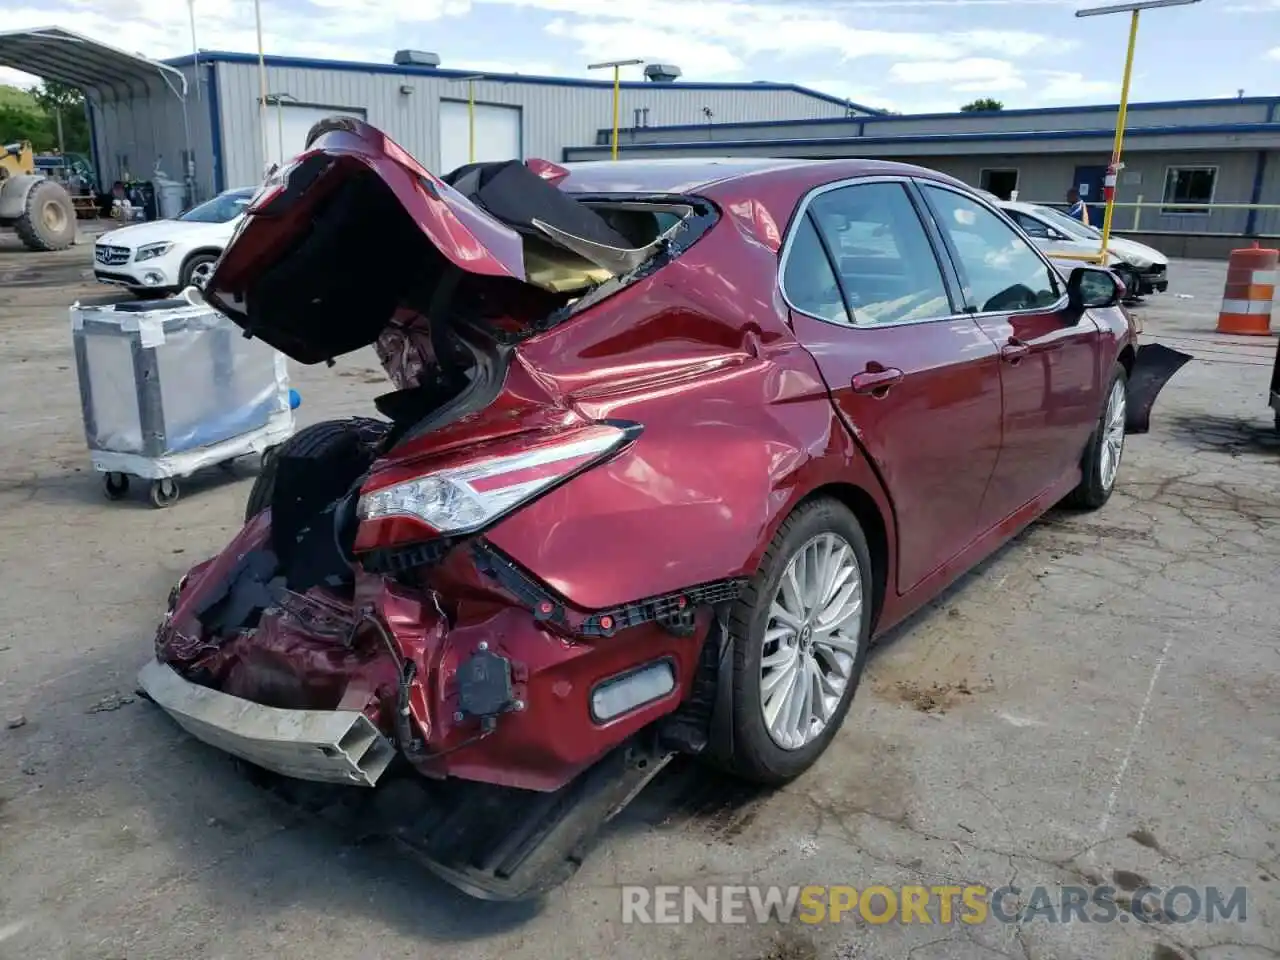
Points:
(307, 442)
(774, 652)
(49, 220)
(1101, 462)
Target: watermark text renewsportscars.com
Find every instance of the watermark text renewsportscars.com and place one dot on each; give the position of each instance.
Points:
(942, 905)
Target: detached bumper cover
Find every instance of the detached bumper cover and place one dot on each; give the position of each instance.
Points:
(1153, 367)
(329, 746)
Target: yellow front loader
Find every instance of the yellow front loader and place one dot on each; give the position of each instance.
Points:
(39, 209)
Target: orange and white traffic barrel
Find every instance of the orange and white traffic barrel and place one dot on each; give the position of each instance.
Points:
(1250, 292)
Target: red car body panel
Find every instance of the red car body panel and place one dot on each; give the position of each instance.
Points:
(747, 409)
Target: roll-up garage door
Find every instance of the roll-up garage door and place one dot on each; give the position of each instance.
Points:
(497, 131)
(289, 124)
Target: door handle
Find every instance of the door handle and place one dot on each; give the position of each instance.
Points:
(876, 381)
(1014, 351)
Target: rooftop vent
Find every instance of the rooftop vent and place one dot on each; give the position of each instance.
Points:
(416, 58)
(662, 73)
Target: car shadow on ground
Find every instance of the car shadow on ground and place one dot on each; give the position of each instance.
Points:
(252, 853)
(1234, 435)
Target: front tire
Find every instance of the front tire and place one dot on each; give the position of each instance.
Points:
(1101, 463)
(800, 634)
(197, 270)
(49, 220)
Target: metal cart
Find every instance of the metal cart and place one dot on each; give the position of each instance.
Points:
(170, 387)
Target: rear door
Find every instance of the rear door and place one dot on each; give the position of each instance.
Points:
(1049, 367)
(917, 382)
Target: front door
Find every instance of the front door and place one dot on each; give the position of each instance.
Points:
(1089, 180)
(917, 383)
(1050, 372)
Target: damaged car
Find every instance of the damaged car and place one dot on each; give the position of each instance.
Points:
(670, 444)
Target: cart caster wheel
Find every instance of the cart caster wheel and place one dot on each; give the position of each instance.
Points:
(163, 492)
(267, 456)
(117, 485)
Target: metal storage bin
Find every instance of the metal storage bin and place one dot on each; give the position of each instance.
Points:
(169, 387)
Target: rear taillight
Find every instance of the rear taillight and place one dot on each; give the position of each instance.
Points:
(467, 497)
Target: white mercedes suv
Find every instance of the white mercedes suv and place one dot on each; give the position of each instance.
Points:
(164, 256)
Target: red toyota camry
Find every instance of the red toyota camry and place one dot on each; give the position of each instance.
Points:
(669, 444)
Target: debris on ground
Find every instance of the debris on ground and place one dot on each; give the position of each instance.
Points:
(932, 698)
(112, 701)
(13, 723)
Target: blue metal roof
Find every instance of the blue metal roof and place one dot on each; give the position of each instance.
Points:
(1270, 102)
(351, 66)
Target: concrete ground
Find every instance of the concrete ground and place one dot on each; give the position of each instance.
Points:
(1100, 703)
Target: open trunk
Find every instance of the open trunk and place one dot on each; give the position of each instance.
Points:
(355, 239)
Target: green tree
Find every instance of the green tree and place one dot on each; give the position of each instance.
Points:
(17, 123)
(982, 105)
(21, 118)
(56, 99)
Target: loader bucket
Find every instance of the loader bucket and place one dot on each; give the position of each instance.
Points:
(1153, 366)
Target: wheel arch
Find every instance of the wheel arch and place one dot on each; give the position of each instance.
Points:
(863, 506)
(1126, 359)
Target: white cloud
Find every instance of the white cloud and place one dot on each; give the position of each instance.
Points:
(1074, 88)
(1273, 53)
(971, 75)
(729, 32)
(602, 41)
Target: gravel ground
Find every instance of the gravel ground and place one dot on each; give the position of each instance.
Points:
(1098, 703)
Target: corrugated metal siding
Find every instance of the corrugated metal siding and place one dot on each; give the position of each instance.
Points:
(1268, 221)
(554, 117)
(1046, 179)
(132, 135)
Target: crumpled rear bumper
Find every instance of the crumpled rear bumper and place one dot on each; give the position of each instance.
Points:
(330, 746)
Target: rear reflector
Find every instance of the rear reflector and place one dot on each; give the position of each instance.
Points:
(630, 691)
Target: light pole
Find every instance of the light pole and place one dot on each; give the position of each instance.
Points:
(470, 81)
(262, 83)
(617, 66)
(278, 99)
(1135, 9)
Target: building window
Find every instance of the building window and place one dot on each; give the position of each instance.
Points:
(1194, 185)
(1003, 183)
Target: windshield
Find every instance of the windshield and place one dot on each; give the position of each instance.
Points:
(1068, 225)
(224, 207)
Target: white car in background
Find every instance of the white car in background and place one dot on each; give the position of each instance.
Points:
(164, 256)
(1142, 269)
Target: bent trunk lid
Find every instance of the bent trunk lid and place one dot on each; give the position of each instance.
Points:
(355, 229)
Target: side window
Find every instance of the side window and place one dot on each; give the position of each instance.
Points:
(887, 266)
(1030, 225)
(998, 269)
(807, 278)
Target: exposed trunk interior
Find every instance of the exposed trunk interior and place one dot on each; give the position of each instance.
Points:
(362, 260)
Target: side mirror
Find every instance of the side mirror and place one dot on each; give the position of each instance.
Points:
(1093, 288)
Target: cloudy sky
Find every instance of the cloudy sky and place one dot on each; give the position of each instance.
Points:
(907, 55)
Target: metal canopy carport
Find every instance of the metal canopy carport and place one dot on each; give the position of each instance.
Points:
(104, 73)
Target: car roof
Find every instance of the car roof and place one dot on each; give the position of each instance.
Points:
(681, 175)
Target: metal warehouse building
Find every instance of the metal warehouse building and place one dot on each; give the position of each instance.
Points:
(200, 115)
(1199, 174)
(1193, 169)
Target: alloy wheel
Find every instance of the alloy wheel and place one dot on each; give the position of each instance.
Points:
(1112, 436)
(201, 273)
(811, 641)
